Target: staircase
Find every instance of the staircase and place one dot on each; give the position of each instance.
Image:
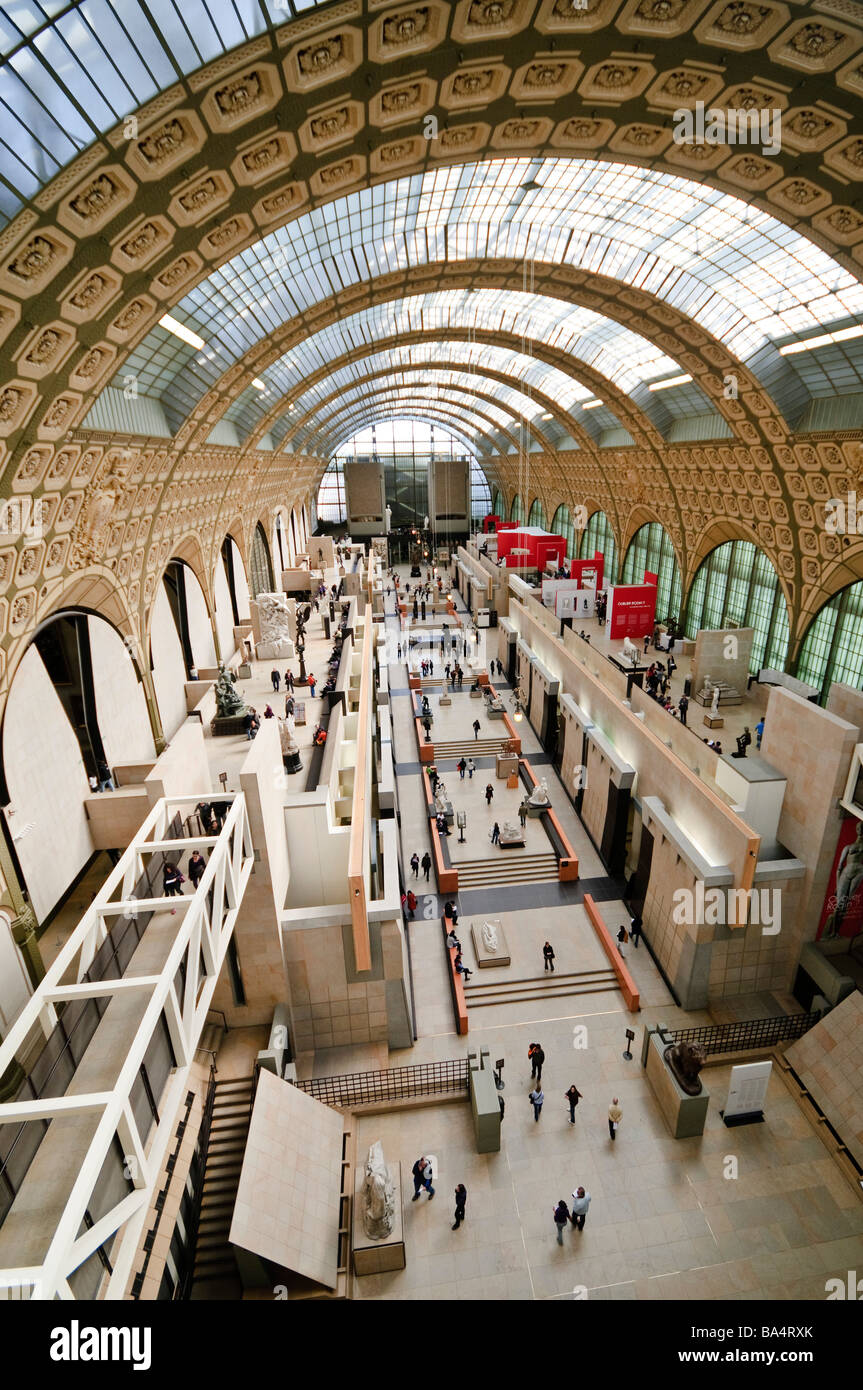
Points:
(469, 747)
(511, 866)
(215, 1271)
(546, 986)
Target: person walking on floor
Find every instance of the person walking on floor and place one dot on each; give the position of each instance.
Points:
(615, 1115)
(276, 678)
(572, 1097)
(289, 681)
(635, 926)
(522, 813)
(537, 1057)
(683, 706)
(196, 868)
(422, 1176)
(561, 1219)
(411, 902)
(313, 680)
(415, 864)
(471, 768)
(460, 1200)
(548, 957)
(461, 765)
(476, 727)
(172, 881)
(495, 834)
(536, 1099)
(622, 939)
(580, 1205)
(426, 863)
(489, 793)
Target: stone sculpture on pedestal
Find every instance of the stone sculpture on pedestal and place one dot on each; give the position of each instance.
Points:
(229, 702)
(489, 937)
(539, 796)
(378, 1196)
(276, 623)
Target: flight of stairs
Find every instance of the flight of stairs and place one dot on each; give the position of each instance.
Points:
(468, 747)
(511, 866)
(215, 1271)
(479, 995)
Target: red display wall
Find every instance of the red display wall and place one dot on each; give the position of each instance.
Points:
(631, 610)
(543, 548)
(491, 522)
(578, 567)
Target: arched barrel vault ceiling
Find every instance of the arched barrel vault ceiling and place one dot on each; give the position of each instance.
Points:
(374, 413)
(639, 426)
(303, 421)
(439, 386)
(614, 358)
(321, 420)
(125, 230)
(473, 423)
(746, 281)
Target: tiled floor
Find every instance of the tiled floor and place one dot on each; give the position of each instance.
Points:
(757, 1212)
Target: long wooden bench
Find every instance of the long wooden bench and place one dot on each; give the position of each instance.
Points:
(628, 987)
(456, 982)
(567, 861)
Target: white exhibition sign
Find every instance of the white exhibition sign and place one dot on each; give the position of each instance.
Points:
(747, 1089)
(569, 598)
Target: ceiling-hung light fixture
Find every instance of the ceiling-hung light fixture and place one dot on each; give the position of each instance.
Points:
(258, 384)
(179, 330)
(807, 344)
(669, 381)
(590, 405)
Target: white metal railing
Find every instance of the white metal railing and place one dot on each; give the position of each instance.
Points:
(203, 932)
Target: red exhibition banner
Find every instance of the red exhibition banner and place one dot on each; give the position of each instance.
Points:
(588, 572)
(537, 549)
(631, 611)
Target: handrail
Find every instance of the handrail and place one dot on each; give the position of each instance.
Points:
(198, 1194)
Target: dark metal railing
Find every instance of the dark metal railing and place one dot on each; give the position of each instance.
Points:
(748, 1035)
(399, 1083)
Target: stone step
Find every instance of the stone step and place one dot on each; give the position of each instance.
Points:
(533, 997)
(544, 983)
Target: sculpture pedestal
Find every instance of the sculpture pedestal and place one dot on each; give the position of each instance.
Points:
(685, 1115)
(224, 724)
(534, 812)
(714, 721)
(280, 650)
(378, 1256)
(485, 958)
(515, 840)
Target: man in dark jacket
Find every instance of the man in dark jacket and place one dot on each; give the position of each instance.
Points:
(422, 1176)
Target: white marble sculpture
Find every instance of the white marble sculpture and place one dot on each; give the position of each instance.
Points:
(630, 651)
(276, 622)
(379, 1195)
(714, 707)
(511, 831)
(440, 798)
(539, 796)
(490, 938)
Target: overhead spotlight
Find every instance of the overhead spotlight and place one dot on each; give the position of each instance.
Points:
(669, 381)
(258, 384)
(590, 405)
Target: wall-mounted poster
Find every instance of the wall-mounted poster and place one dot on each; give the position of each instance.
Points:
(842, 913)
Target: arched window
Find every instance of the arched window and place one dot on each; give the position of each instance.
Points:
(561, 525)
(260, 564)
(516, 511)
(480, 493)
(651, 549)
(832, 649)
(498, 506)
(331, 506)
(737, 584)
(598, 535)
(536, 516)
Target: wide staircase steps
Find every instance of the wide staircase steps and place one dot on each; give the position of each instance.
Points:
(511, 866)
(481, 995)
(469, 747)
(215, 1269)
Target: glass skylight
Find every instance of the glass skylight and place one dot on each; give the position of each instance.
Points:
(745, 277)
